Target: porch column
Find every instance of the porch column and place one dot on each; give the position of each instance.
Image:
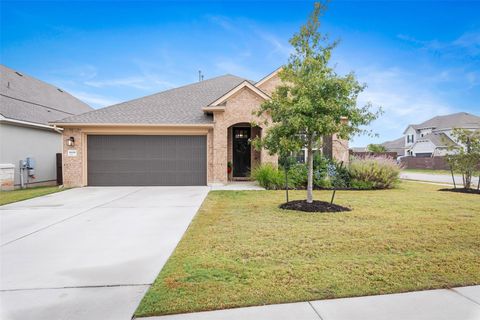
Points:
(220, 147)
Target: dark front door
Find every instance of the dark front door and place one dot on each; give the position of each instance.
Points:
(241, 152)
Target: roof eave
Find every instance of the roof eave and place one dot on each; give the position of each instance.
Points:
(213, 109)
(181, 125)
(29, 124)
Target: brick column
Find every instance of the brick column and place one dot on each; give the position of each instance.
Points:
(72, 164)
(220, 157)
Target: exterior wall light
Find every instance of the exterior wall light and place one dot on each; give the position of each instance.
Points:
(71, 141)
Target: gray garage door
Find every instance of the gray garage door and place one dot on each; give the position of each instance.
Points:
(147, 160)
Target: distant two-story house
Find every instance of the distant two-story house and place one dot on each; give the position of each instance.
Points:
(434, 136)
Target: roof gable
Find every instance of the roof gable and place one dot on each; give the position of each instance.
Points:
(244, 84)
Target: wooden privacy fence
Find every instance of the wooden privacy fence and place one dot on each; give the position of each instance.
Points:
(361, 155)
(59, 169)
(434, 163)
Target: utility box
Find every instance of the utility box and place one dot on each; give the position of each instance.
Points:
(31, 167)
(30, 163)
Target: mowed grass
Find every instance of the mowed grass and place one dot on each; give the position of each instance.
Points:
(24, 194)
(242, 250)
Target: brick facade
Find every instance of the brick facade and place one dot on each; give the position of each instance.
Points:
(236, 109)
(239, 109)
(268, 86)
(73, 165)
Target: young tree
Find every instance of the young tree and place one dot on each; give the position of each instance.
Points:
(466, 158)
(376, 148)
(313, 100)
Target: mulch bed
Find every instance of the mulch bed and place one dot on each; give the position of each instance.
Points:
(315, 206)
(462, 190)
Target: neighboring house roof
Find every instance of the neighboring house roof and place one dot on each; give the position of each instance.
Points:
(438, 139)
(181, 105)
(28, 99)
(455, 120)
(397, 145)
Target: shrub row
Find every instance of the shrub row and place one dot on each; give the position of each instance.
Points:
(366, 173)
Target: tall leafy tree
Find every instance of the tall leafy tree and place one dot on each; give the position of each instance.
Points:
(376, 148)
(313, 100)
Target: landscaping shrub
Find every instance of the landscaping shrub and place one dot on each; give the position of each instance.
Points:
(340, 177)
(376, 172)
(361, 185)
(297, 176)
(268, 176)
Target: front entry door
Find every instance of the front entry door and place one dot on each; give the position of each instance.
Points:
(241, 152)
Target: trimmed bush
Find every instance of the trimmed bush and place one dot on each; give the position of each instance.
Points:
(298, 176)
(268, 176)
(374, 172)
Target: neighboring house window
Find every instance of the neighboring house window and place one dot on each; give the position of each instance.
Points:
(410, 138)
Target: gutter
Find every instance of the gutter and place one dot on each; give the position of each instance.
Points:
(30, 124)
(168, 125)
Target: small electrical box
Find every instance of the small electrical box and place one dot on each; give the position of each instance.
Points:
(30, 163)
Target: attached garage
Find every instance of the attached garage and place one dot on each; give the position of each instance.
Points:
(146, 160)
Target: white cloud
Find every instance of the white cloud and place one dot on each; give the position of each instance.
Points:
(227, 65)
(134, 82)
(83, 71)
(279, 45)
(405, 97)
(466, 44)
(94, 100)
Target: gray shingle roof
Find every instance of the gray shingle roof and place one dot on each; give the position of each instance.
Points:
(438, 139)
(181, 105)
(397, 145)
(28, 99)
(455, 120)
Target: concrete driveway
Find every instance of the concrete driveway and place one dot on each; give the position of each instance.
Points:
(89, 253)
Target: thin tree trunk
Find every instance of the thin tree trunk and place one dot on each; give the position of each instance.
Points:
(468, 180)
(453, 179)
(310, 173)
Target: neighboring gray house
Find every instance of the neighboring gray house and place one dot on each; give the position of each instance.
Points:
(26, 106)
(397, 145)
(432, 137)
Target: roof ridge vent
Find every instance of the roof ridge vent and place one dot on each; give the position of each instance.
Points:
(59, 89)
(20, 74)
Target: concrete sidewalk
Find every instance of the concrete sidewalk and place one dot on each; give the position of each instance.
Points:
(445, 304)
(438, 178)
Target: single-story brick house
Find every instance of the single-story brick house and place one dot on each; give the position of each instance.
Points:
(182, 136)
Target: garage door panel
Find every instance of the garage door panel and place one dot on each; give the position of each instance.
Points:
(146, 160)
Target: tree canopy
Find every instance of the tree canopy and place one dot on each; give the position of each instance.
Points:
(313, 100)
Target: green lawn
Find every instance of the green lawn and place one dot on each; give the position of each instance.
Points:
(242, 250)
(429, 171)
(24, 194)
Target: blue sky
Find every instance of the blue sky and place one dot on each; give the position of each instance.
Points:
(419, 59)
